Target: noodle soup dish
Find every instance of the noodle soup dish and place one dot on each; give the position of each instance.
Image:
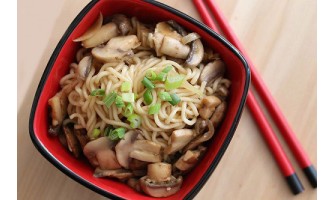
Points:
(139, 103)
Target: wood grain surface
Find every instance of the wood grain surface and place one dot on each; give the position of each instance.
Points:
(280, 38)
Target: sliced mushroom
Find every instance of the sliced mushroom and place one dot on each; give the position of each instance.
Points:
(208, 103)
(91, 30)
(178, 140)
(105, 33)
(218, 114)
(159, 182)
(159, 172)
(124, 147)
(100, 154)
(72, 142)
(84, 67)
(146, 150)
(122, 174)
(54, 130)
(163, 29)
(189, 159)
(81, 135)
(135, 164)
(134, 183)
(177, 27)
(123, 23)
(116, 48)
(173, 47)
(200, 126)
(211, 71)
(58, 105)
(196, 54)
(201, 138)
(144, 34)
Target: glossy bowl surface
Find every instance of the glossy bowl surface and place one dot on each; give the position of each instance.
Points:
(58, 65)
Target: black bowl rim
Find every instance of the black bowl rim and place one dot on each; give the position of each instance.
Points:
(40, 147)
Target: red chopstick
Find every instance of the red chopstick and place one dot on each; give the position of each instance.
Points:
(270, 103)
(268, 134)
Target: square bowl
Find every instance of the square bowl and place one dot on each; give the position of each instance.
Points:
(148, 11)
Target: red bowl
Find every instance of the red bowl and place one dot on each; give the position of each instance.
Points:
(58, 65)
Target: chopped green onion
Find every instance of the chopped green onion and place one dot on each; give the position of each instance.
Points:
(135, 121)
(125, 86)
(173, 82)
(95, 133)
(98, 92)
(154, 109)
(109, 99)
(161, 76)
(128, 110)
(117, 133)
(147, 96)
(167, 69)
(165, 96)
(175, 99)
(147, 83)
(128, 97)
(107, 131)
(151, 75)
(119, 102)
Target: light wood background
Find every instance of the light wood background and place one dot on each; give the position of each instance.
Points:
(280, 37)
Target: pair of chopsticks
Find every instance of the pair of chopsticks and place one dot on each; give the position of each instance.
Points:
(275, 112)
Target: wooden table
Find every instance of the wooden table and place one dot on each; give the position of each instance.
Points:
(280, 37)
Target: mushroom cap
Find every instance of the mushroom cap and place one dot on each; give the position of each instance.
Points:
(211, 71)
(161, 189)
(84, 67)
(178, 140)
(124, 147)
(196, 54)
(100, 154)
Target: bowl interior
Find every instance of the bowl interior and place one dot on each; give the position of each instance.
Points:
(58, 66)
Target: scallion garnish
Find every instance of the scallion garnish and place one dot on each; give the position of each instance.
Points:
(98, 92)
(107, 131)
(125, 86)
(164, 96)
(119, 102)
(147, 83)
(167, 69)
(173, 82)
(95, 133)
(154, 109)
(161, 76)
(175, 99)
(135, 120)
(109, 99)
(147, 96)
(117, 133)
(151, 75)
(128, 110)
(128, 97)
